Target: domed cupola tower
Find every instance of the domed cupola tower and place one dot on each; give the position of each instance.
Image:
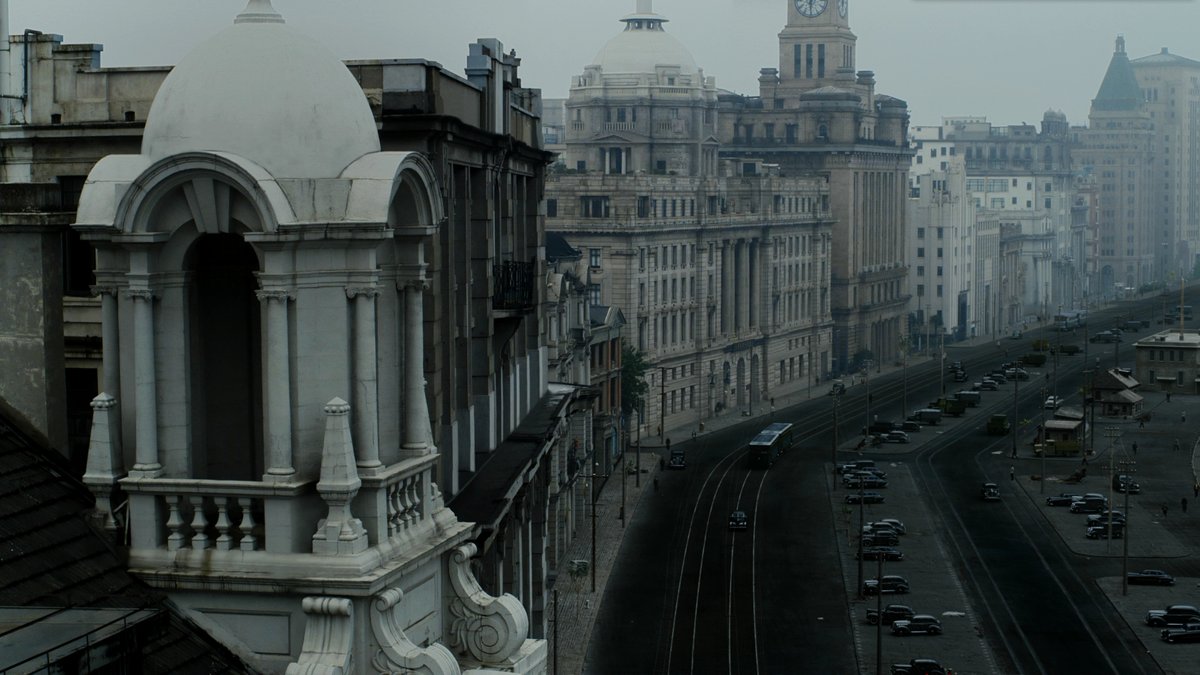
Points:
(642, 106)
(262, 274)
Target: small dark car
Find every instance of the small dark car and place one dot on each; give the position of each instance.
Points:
(892, 583)
(738, 520)
(1151, 578)
(890, 613)
(888, 553)
(1063, 499)
(865, 498)
(926, 624)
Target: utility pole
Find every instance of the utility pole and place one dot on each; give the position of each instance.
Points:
(942, 353)
(592, 483)
(904, 400)
(1128, 468)
(867, 372)
(879, 588)
(1113, 433)
(1012, 428)
(879, 614)
(833, 448)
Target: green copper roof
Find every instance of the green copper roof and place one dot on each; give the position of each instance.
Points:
(1120, 90)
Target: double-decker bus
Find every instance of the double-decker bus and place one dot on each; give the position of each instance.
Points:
(769, 444)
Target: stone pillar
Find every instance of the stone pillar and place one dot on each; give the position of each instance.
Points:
(418, 435)
(752, 279)
(146, 421)
(726, 287)
(110, 339)
(743, 299)
(277, 388)
(366, 386)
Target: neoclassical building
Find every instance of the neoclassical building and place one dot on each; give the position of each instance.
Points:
(721, 268)
(816, 114)
(264, 430)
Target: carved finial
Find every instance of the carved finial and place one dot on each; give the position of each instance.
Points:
(259, 11)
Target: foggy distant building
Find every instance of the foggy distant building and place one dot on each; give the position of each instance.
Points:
(1171, 89)
(721, 269)
(815, 113)
(1118, 148)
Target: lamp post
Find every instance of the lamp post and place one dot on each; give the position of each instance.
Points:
(904, 374)
(867, 373)
(835, 395)
(1114, 434)
(1012, 428)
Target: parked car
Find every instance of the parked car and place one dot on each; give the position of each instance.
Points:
(1105, 337)
(919, 624)
(1173, 615)
(990, 492)
(865, 498)
(1090, 504)
(895, 437)
(1101, 531)
(1063, 499)
(1188, 632)
(1101, 518)
(888, 553)
(857, 465)
(1151, 578)
(897, 525)
(909, 426)
(868, 482)
(879, 538)
(860, 474)
(1052, 402)
(918, 667)
(738, 520)
(890, 613)
(889, 583)
(988, 384)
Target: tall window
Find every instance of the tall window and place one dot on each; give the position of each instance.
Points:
(593, 257)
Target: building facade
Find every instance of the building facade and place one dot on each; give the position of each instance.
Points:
(1118, 148)
(815, 113)
(720, 268)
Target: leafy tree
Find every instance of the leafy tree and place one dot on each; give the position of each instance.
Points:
(633, 378)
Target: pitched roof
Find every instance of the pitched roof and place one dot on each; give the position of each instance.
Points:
(1119, 90)
(54, 566)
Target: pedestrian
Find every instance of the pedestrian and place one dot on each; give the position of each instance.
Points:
(1141, 422)
(1168, 397)
(1183, 504)
(656, 483)
(1196, 490)
(1176, 445)
(1135, 448)
(1164, 510)
(1183, 416)
(1012, 473)
(662, 463)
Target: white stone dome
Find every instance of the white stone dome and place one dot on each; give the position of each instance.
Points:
(266, 93)
(643, 46)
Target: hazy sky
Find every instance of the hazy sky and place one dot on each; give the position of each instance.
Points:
(1007, 59)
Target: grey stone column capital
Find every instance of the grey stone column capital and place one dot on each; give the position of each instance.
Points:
(353, 292)
(147, 294)
(277, 294)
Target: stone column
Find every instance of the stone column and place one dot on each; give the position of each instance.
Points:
(146, 421)
(366, 387)
(110, 339)
(754, 282)
(743, 299)
(726, 287)
(418, 435)
(277, 387)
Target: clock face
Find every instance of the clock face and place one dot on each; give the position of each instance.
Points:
(811, 8)
(843, 7)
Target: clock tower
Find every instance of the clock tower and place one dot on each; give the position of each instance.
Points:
(816, 45)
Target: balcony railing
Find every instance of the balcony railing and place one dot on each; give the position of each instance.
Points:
(512, 285)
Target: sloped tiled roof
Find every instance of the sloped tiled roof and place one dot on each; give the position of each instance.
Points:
(52, 561)
(1120, 89)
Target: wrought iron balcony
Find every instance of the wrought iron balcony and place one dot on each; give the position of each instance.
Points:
(512, 285)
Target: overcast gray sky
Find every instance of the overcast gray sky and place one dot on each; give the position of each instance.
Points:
(1007, 59)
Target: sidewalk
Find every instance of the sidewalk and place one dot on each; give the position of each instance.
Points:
(577, 604)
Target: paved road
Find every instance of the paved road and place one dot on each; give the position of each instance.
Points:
(647, 617)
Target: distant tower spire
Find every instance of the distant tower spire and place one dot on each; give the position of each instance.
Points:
(645, 6)
(259, 11)
(1120, 43)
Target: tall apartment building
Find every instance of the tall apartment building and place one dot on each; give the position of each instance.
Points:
(721, 269)
(815, 114)
(1170, 87)
(1119, 148)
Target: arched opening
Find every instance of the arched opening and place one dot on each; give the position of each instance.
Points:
(225, 364)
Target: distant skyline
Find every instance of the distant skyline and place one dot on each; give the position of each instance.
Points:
(1008, 60)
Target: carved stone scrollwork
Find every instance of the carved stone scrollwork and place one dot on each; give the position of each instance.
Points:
(99, 290)
(488, 629)
(328, 638)
(355, 291)
(276, 294)
(421, 285)
(396, 652)
(141, 293)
